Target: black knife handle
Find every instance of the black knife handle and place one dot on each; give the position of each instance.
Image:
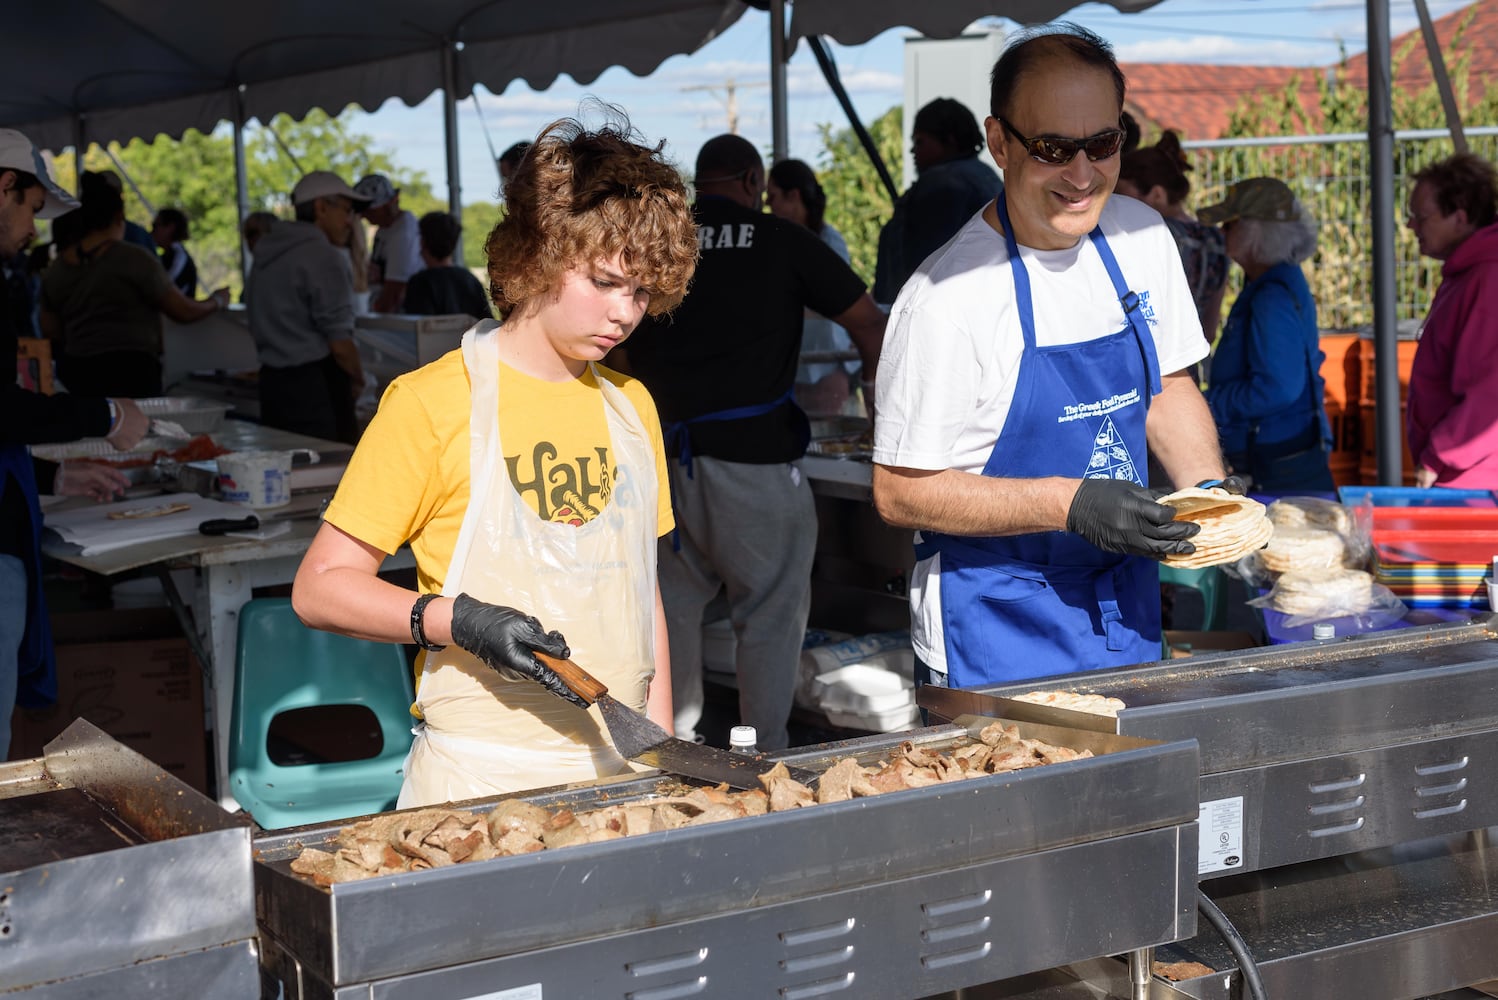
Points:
(224, 525)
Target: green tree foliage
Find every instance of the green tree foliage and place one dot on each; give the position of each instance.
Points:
(196, 174)
(478, 219)
(857, 203)
(1333, 180)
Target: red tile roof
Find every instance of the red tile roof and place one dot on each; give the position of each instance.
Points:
(1197, 99)
(1479, 41)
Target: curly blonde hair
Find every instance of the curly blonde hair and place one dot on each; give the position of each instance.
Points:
(580, 195)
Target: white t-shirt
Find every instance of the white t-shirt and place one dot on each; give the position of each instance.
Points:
(951, 354)
(397, 251)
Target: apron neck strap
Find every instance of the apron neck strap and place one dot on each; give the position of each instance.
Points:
(1132, 307)
(1024, 304)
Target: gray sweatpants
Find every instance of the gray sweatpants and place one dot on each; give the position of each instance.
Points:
(753, 530)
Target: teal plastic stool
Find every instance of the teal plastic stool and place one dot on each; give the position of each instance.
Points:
(1209, 583)
(283, 666)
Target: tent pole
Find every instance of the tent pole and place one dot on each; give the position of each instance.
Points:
(835, 82)
(1443, 81)
(450, 133)
(778, 55)
(1381, 175)
(241, 182)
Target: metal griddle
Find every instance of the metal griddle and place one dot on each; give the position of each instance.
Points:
(54, 826)
(1334, 746)
(1361, 775)
(118, 880)
(901, 895)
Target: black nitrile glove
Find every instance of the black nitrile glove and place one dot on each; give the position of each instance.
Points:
(506, 640)
(1118, 516)
(1235, 485)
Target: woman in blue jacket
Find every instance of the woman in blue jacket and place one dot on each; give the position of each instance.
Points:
(1266, 391)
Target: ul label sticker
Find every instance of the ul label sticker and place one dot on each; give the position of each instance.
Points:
(1220, 827)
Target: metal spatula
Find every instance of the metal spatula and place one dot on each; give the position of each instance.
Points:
(637, 738)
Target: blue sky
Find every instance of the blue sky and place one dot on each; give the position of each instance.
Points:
(1262, 32)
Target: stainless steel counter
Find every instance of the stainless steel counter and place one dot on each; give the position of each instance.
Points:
(1312, 750)
(1396, 923)
(1340, 784)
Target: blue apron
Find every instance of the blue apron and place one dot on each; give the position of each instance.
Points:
(1033, 605)
(37, 663)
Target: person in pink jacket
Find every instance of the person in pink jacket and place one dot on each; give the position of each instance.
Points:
(1452, 423)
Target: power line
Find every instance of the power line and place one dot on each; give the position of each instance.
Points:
(728, 93)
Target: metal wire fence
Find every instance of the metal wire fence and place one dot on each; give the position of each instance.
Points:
(1329, 173)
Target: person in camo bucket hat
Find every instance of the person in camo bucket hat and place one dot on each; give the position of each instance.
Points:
(1263, 198)
(1266, 392)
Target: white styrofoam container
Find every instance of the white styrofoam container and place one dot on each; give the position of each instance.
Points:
(879, 722)
(99, 448)
(196, 414)
(863, 688)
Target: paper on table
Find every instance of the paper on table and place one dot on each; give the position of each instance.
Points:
(266, 531)
(94, 531)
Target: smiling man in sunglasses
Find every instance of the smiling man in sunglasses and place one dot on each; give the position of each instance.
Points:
(1033, 364)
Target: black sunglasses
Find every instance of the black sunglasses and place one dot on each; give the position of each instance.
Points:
(1056, 150)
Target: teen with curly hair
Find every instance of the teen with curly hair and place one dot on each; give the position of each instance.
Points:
(530, 482)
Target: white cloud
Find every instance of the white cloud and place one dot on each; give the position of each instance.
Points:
(522, 101)
(1228, 51)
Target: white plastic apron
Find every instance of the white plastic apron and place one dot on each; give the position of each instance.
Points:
(595, 583)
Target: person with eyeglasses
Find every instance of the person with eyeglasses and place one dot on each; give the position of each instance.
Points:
(1452, 420)
(300, 299)
(1032, 368)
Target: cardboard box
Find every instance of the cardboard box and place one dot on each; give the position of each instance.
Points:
(132, 674)
(34, 364)
(1184, 643)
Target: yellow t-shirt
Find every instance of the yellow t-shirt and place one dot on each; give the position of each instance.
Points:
(409, 479)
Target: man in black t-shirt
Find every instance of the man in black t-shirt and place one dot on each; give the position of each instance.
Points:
(721, 369)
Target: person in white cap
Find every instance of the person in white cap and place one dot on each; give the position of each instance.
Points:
(396, 255)
(28, 671)
(301, 315)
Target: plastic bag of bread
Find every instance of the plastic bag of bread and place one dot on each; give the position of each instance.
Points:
(1305, 598)
(1311, 537)
(1316, 514)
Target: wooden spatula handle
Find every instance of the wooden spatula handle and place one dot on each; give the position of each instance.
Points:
(583, 684)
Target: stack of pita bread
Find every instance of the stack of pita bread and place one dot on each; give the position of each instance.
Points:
(1311, 512)
(1232, 526)
(1331, 594)
(1305, 551)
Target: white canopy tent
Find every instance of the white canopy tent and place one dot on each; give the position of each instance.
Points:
(75, 71)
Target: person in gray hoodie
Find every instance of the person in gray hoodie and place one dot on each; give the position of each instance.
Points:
(298, 295)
